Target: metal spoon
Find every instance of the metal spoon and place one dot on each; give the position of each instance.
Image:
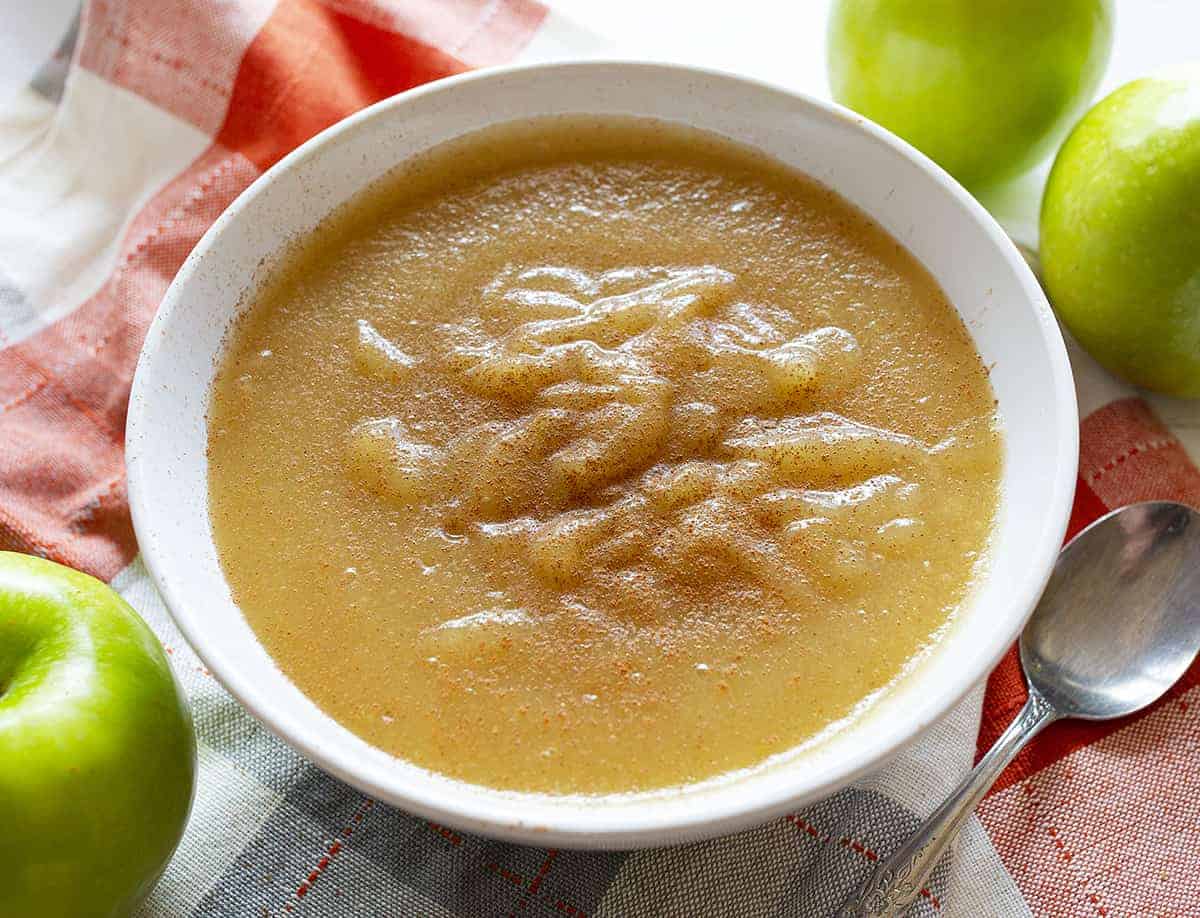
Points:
(1118, 624)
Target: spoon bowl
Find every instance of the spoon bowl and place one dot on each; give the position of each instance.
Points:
(1118, 623)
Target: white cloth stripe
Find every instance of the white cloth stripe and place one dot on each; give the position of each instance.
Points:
(230, 807)
(30, 35)
(73, 177)
(561, 38)
(980, 886)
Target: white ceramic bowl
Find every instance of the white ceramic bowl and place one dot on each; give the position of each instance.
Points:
(912, 198)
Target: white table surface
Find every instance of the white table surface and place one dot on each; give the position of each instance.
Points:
(783, 41)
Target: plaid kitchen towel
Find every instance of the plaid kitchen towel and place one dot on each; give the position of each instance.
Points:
(113, 162)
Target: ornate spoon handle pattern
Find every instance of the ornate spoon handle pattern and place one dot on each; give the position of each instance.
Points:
(897, 882)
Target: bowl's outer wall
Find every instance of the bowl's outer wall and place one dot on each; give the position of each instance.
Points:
(920, 205)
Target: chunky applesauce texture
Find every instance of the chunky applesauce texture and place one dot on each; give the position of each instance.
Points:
(599, 456)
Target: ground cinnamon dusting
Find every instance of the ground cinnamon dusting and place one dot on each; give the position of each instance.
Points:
(633, 440)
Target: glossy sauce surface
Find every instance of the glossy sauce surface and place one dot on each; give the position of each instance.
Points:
(599, 456)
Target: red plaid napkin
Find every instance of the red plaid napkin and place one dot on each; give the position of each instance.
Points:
(170, 109)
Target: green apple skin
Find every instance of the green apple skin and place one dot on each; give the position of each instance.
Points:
(985, 88)
(97, 750)
(1120, 232)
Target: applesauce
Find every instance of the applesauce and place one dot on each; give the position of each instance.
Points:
(590, 456)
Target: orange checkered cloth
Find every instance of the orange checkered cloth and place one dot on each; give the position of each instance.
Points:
(153, 117)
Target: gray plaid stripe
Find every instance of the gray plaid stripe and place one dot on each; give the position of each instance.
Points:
(328, 851)
(367, 896)
(51, 79)
(266, 876)
(860, 826)
(17, 314)
(226, 726)
(800, 867)
(474, 876)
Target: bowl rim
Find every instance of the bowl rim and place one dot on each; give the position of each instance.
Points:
(586, 824)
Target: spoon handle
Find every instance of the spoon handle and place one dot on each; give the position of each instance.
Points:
(897, 882)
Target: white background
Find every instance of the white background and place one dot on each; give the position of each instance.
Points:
(784, 41)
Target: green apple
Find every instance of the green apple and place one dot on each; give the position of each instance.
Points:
(1120, 232)
(97, 752)
(983, 87)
